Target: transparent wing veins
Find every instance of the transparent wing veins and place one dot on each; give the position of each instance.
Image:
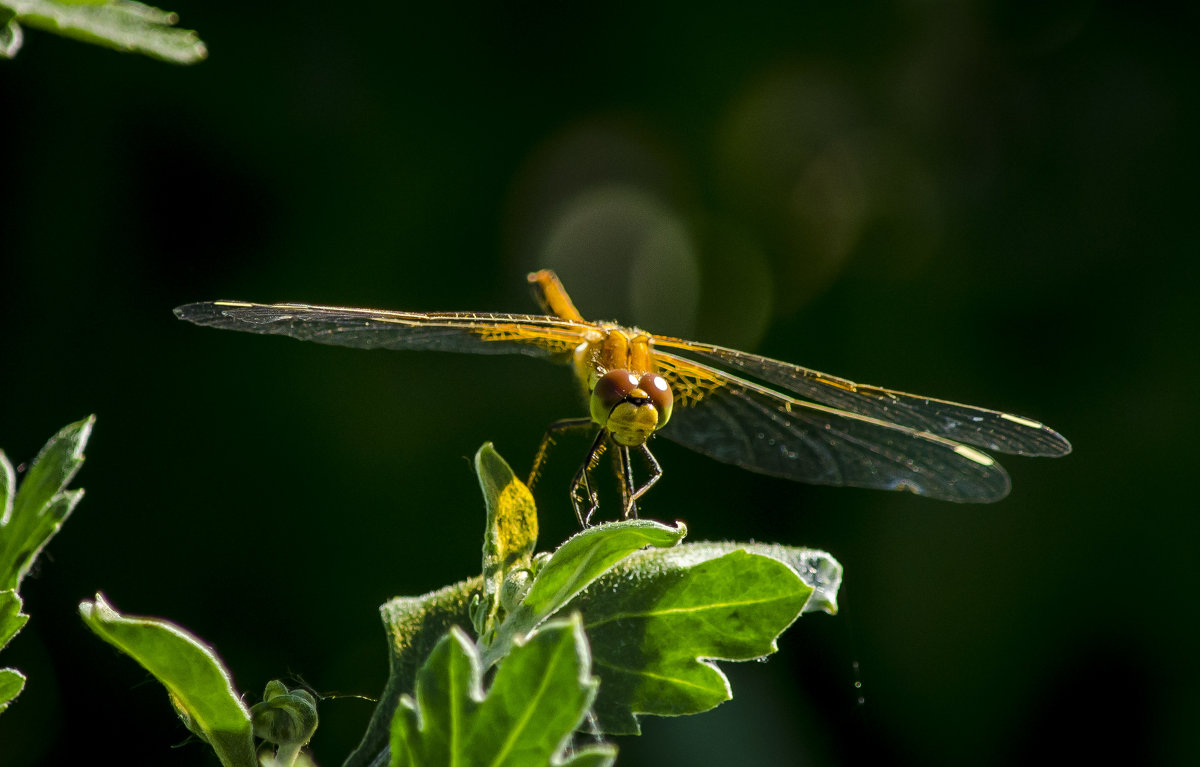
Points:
(744, 423)
(989, 429)
(475, 332)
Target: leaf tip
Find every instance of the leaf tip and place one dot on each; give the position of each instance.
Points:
(91, 609)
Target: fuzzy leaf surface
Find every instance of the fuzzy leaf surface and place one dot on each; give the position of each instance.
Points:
(414, 626)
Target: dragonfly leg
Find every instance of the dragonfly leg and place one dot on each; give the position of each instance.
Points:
(624, 470)
(552, 431)
(655, 475)
(583, 480)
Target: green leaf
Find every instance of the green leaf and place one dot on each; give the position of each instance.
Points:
(11, 618)
(11, 684)
(414, 626)
(10, 34)
(196, 681)
(816, 568)
(8, 486)
(575, 564)
(656, 620)
(11, 621)
(510, 535)
(54, 467)
(123, 25)
(540, 694)
(41, 505)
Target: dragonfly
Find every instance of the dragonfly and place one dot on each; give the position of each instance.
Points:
(761, 414)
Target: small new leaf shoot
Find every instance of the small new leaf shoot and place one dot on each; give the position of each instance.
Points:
(510, 536)
(287, 718)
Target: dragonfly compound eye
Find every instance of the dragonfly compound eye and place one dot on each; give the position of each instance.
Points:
(659, 392)
(613, 388)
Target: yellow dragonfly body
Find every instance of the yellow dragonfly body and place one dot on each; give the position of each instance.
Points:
(765, 415)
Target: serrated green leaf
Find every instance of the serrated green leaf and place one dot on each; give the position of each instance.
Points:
(40, 506)
(11, 621)
(123, 25)
(414, 626)
(575, 564)
(197, 682)
(540, 694)
(511, 532)
(11, 684)
(656, 620)
(11, 618)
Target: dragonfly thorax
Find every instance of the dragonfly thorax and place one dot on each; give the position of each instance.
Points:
(631, 408)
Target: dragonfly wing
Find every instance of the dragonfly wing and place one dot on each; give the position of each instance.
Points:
(377, 329)
(742, 423)
(989, 429)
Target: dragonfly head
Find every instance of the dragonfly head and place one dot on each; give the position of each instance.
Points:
(631, 408)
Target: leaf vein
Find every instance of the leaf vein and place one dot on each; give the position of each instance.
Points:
(685, 610)
(523, 721)
(659, 677)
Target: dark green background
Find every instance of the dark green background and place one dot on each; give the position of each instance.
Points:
(991, 202)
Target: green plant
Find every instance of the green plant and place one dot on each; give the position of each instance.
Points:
(511, 666)
(123, 25)
(29, 518)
